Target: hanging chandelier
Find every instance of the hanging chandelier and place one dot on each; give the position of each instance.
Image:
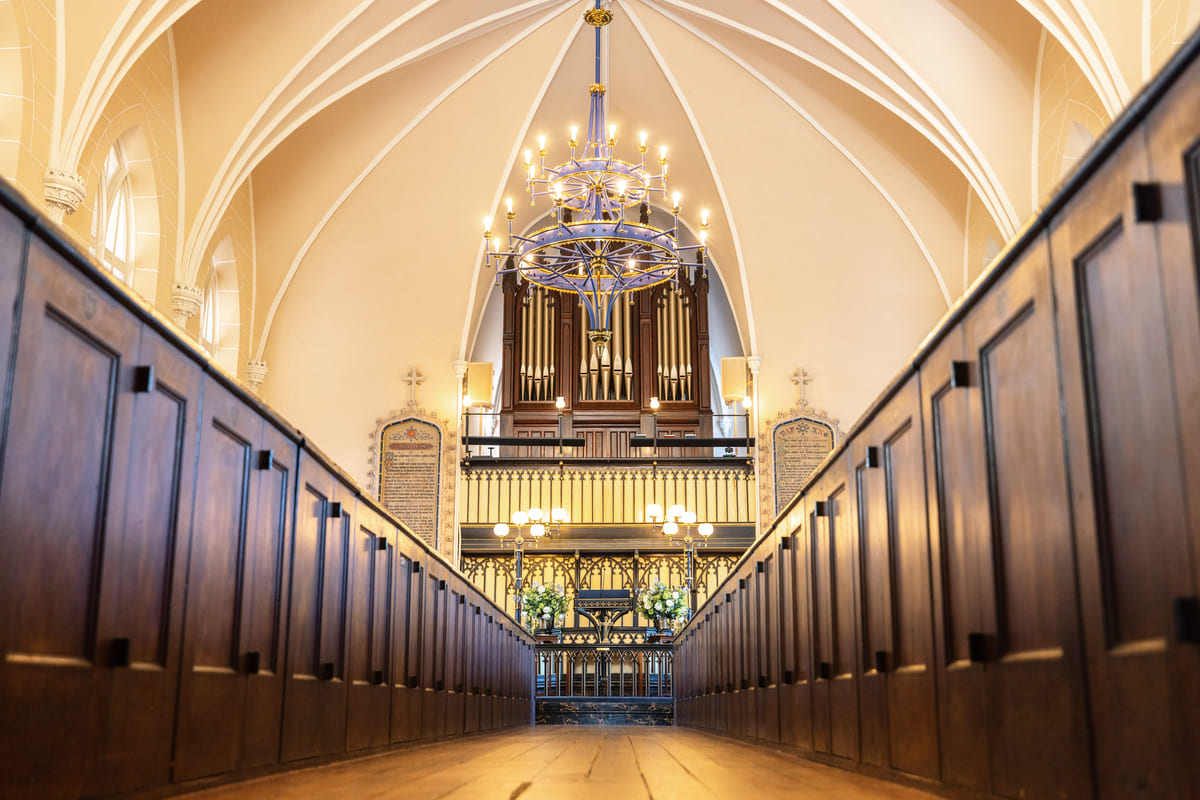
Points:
(593, 249)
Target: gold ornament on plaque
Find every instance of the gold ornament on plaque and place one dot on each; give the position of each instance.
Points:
(597, 17)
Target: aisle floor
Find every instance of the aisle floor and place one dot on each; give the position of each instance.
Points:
(571, 762)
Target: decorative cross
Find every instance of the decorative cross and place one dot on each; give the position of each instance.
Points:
(414, 378)
(802, 379)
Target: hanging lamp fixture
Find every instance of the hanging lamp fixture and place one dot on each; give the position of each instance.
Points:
(593, 249)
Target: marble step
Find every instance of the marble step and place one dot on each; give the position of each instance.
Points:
(605, 711)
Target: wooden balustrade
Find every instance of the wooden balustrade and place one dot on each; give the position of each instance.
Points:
(190, 589)
(719, 493)
(994, 582)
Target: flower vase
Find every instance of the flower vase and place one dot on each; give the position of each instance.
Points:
(662, 624)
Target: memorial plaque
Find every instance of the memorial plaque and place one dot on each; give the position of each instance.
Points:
(410, 475)
(799, 447)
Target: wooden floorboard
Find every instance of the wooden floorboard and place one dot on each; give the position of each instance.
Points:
(553, 763)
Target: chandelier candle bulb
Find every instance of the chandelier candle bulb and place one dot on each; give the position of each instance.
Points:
(509, 205)
(675, 198)
(541, 145)
(642, 137)
(529, 158)
(704, 218)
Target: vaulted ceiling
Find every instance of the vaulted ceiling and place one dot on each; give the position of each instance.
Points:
(861, 159)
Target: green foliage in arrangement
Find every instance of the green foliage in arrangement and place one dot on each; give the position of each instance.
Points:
(545, 603)
(661, 600)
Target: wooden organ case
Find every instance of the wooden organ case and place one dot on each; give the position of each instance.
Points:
(659, 348)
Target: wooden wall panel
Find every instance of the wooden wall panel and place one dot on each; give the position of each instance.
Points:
(149, 534)
(1037, 707)
(1173, 129)
(265, 593)
(213, 683)
(911, 687)
(958, 524)
(1129, 304)
(368, 712)
(74, 409)
(14, 241)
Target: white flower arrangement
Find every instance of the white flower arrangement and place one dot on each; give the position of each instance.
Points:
(661, 600)
(545, 603)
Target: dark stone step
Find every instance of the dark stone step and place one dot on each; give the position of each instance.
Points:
(605, 711)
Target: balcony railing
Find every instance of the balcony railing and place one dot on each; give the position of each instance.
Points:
(720, 493)
(586, 670)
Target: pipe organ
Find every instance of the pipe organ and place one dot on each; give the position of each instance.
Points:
(607, 375)
(537, 369)
(658, 349)
(673, 327)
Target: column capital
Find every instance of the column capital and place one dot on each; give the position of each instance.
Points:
(64, 192)
(256, 373)
(754, 363)
(460, 368)
(185, 302)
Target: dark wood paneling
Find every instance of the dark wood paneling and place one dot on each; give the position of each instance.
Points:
(67, 422)
(1038, 717)
(212, 699)
(368, 704)
(958, 524)
(264, 601)
(1124, 306)
(406, 711)
(315, 700)
(150, 503)
(1172, 129)
(911, 687)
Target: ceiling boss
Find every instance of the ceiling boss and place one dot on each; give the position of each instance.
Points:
(593, 249)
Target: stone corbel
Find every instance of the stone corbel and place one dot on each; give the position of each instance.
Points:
(64, 192)
(256, 373)
(185, 303)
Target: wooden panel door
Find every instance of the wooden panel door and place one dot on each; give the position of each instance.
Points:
(822, 620)
(406, 716)
(796, 718)
(368, 707)
(213, 687)
(958, 519)
(1121, 311)
(433, 643)
(471, 655)
(454, 680)
(910, 661)
(1173, 132)
(897, 689)
(265, 592)
(843, 700)
(875, 603)
(1037, 706)
(767, 612)
(150, 504)
(71, 412)
(314, 721)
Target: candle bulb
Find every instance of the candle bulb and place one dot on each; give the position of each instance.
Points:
(574, 134)
(662, 153)
(642, 136)
(528, 157)
(675, 198)
(487, 226)
(704, 218)
(508, 203)
(541, 145)
(612, 132)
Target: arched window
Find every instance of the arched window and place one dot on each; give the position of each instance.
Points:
(114, 225)
(210, 314)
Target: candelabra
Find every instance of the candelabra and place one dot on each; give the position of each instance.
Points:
(537, 529)
(668, 524)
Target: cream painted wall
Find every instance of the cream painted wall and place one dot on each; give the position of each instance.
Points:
(851, 169)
